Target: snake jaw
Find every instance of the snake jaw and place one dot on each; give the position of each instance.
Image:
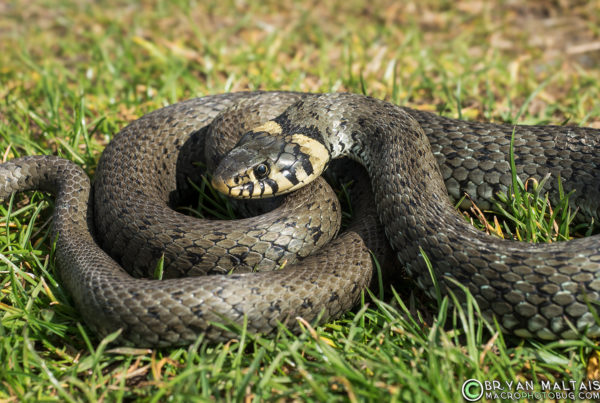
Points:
(221, 186)
(244, 186)
(229, 179)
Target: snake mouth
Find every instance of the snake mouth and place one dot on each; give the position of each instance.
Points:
(232, 177)
(244, 191)
(245, 186)
(221, 186)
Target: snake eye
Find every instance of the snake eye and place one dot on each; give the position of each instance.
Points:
(261, 171)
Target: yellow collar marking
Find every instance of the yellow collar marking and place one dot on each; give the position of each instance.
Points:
(318, 153)
(270, 127)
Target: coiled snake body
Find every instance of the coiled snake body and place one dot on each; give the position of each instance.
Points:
(534, 290)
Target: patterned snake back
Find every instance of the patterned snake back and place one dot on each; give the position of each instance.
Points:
(535, 290)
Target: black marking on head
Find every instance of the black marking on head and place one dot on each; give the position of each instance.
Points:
(262, 187)
(290, 174)
(288, 126)
(306, 164)
(250, 188)
(274, 186)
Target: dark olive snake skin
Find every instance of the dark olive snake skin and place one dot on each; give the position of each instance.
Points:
(141, 166)
(534, 290)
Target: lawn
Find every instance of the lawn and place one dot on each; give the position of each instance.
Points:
(73, 73)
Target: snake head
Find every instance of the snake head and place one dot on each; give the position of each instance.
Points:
(265, 163)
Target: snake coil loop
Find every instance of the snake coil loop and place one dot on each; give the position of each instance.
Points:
(414, 160)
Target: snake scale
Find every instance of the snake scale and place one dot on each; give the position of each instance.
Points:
(413, 158)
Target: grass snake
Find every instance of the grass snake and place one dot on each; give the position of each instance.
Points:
(413, 158)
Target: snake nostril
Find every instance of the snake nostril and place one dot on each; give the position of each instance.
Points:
(236, 180)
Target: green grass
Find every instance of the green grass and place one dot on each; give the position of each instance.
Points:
(73, 73)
